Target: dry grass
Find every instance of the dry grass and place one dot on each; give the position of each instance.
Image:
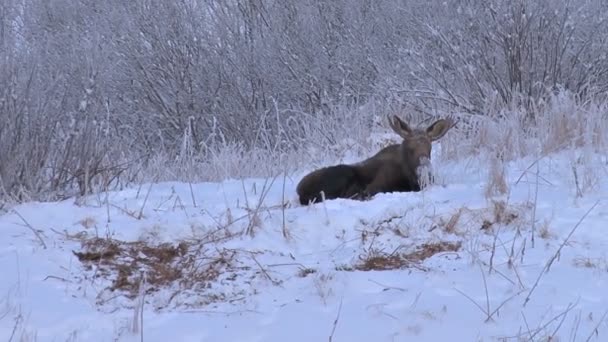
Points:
(586, 172)
(544, 230)
(305, 272)
(501, 214)
(177, 267)
(450, 226)
(87, 222)
(377, 261)
(497, 179)
(322, 283)
(592, 263)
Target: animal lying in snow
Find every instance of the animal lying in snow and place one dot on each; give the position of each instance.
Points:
(394, 168)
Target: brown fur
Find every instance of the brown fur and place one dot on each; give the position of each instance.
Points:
(392, 169)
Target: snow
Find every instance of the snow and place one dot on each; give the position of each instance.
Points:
(48, 295)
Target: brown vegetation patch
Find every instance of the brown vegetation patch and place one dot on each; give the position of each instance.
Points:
(502, 214)
(182, 266)
(380, 262)
(304, 272)
(591, 263)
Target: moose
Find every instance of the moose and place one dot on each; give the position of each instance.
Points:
(395, 168)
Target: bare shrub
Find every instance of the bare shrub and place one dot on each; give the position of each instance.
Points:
(100, 95)
(503, 53)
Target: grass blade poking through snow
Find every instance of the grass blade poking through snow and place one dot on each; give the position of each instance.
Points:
(285, 231)
(595, 330)
(36, 233)
(556, 254)
(333, 330)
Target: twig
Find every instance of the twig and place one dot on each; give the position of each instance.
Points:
(505, 302)
(126, 211)
(527, 325)
(485, 286)
(247, 205)
(288, 264)
(274, 282)
(181, 204)
(284, 227)
(493, 252)
(531, 333)
(472, 301)
(18, 321)
(173, 193)
(579, 192)
(595, 329)
(333, 330)
(253, 218)
(554, 257)
(535, 205)
(546, 153)
(141, 312)
(415, 301)
(108, 205)
(138, 318)
(559, 325)
(141, 211)
(574, 331)
(56, 277)
(138, 190)
(512, 255)
(387, 287)
(556, 317)
(489, 314)
(37, 233)
(192, 194)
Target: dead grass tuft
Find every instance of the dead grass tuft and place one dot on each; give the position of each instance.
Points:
(497, 178)
(163, 263)
(544, 232)
(377, 261)
(381, 262)
(185, 266)
(102, 253)
(592, 263)
(304, 272)
(501, 214)
(87, 222)
(450, 226)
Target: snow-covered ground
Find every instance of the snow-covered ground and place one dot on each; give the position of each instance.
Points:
(278, 271)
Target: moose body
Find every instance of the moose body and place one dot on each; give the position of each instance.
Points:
(395, 168)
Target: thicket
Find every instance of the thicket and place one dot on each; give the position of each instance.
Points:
(100, 94)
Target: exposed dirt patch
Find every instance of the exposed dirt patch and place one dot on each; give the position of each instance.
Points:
(380, 261)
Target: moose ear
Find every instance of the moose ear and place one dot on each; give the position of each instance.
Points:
(399, 126)
(439, 128)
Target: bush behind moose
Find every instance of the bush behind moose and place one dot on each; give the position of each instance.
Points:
(100, 89)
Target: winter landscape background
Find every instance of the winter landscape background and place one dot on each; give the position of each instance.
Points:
(150, 150)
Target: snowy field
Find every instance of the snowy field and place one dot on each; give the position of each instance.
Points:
(244, 261)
